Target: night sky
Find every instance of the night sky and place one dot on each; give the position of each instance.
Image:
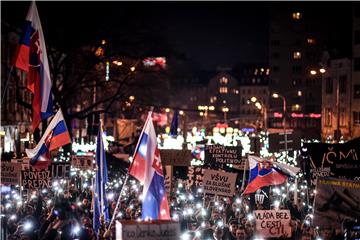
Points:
(208, 33)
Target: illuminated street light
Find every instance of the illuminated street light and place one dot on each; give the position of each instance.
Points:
(131, 98)
(253, 99)
(313, 72)
(275, 95)
(132, 69)
(322, 70)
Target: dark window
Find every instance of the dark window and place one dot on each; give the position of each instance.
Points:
(275, 43)
(276, 55)
(357, 11)
(297, 69)
(356, 91)
(356, 116)
(329, 85)
(276, 68)
(356, 64)
(342, 83)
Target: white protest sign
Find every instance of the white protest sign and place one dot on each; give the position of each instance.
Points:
(10, 173)
(154, 230)
(273, 223)
(219, 183)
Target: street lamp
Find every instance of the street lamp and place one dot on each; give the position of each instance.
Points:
(261, 106)
(225, 110)
(276, 95)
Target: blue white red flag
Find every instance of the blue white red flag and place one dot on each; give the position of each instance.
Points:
(265, 173)
(56, 135)
(101, 178)
(147, 168)
(31, 57)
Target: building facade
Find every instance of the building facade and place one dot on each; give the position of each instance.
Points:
(295, 49)
(355, 83)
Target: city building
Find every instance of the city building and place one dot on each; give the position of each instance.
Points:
(355, 80)
(295, 48)
(254, 96)
(336, 99)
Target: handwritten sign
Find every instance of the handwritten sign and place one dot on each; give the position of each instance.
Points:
(82, 162)
(10, 173)
(219, 183)
(175, 157)
(273, 223)
(60, 170)
(33, 179)
(218, 154)
(154, 230)
(195, 177)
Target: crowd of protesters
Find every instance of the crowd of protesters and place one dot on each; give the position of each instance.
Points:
(67, 214)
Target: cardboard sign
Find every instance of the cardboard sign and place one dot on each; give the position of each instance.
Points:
(218, 154)
(219, 183)
(10, 173)
(33, 179)
(175, 157)
(273, 223)
(195, 177)
(336, 200)
(332, 160)
(82, 162)
(60, 170)
(154, 230)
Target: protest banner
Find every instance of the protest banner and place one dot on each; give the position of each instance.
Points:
(336, 200)
(10, 173)
(168, 179)
(332, 160)
(83, 162)
(195, 177)
(33, 179)
(60, 170)
(273, 223)
(176, 157)
(218, 154)
(152, 230)
(219, 183)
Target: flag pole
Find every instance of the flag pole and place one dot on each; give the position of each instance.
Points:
(107, 232)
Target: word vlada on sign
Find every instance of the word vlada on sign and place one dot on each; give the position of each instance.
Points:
(273, 223)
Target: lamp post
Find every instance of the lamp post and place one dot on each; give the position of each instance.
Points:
(261, 106)
(276, 95)
(225, 110)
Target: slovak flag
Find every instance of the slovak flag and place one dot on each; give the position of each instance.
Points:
(31, 57)
(265, 173)
(55, 136)
(147, 168)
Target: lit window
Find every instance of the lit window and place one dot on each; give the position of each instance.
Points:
(311, 41)
(297, 55)
(296, 16)
(296, 107)
(328, 116)
(223, 89)
(224, 80)
(342, 117)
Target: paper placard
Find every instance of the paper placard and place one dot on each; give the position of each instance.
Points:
(218, 154)
(154, 230)
(273, 223)
(219, 183)
(175, 157)
(10, 173)
(33, 179)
